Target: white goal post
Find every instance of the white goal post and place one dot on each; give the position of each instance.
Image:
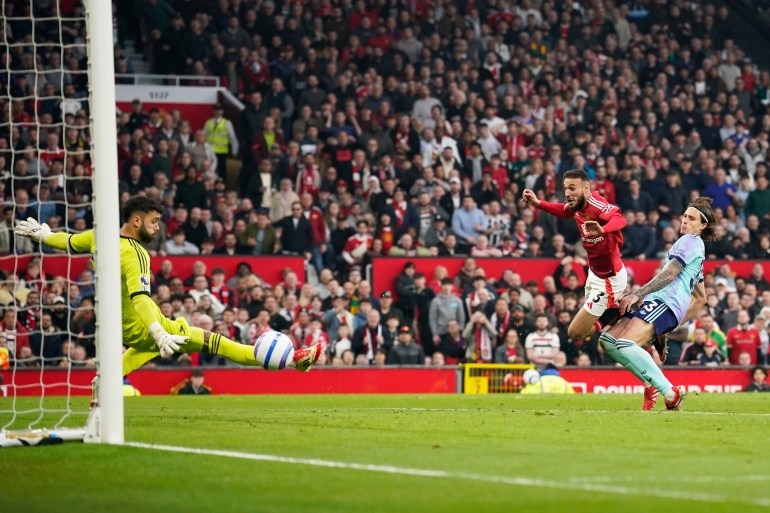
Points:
(109, 329)
(104, 422)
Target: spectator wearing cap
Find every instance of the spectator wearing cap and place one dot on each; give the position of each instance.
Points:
(436, 235)
(220, 134)
(711, 357)
(405, 351)
(388, 309)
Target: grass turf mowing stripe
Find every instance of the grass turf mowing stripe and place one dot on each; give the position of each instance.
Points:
(417, 472)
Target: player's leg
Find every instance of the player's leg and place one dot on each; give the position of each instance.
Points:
(202, 341)
(609, 342)
(653, 318)
(600, 308)
(133, 358)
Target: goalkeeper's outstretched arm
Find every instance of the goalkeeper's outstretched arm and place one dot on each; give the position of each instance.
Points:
(74, 242)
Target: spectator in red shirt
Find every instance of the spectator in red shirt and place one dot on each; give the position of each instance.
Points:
(743, 338)
(15, 334)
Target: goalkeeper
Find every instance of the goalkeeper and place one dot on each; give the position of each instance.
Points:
(146, 331)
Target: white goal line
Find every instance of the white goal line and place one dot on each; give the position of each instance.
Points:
(465, 476)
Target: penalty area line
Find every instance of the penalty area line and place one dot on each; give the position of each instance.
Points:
(467, 476)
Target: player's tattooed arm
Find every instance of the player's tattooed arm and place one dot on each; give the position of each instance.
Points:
(667, 275)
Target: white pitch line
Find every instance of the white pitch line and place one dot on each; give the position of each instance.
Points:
(655, 479)
(516, 410)
(464, 476)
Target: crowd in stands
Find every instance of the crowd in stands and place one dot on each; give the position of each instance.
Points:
(409, 129)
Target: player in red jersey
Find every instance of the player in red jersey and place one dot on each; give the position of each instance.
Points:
(599, 224)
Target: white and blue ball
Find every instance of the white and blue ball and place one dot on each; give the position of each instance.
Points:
(273, 350)
(531, 376)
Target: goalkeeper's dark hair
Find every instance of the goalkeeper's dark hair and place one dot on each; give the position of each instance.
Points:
(703, 205)
(580, 174)
(140, 205)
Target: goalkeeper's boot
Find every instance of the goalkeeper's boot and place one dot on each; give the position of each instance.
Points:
(676, 403)
(650, 398)
(306, 357)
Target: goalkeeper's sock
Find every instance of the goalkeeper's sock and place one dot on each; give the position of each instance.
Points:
(643, 363)
(220, 345)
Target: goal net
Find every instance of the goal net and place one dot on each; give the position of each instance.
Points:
(55, 145)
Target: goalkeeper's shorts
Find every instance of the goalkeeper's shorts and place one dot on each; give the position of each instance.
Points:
(137, 336)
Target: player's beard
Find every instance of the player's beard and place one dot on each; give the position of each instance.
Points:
(145, 235)
(580, 203)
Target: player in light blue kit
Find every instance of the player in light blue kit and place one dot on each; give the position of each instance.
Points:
(671, 298)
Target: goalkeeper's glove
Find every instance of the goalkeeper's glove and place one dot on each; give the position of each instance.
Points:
(167, 344)
(34, 230)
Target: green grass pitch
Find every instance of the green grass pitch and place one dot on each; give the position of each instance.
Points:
(399, 453)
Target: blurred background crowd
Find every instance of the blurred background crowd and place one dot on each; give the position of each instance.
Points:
(395, 128)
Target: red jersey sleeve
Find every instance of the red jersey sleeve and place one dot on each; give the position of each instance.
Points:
(604, 211)
(556, 209)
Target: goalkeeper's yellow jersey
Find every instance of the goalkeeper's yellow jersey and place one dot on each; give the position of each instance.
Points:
(138, 309)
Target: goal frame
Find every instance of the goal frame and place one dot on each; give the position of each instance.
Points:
(105, 423)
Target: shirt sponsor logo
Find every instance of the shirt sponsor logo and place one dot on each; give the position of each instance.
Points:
(594, 240)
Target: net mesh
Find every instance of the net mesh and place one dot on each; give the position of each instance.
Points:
(48, 325)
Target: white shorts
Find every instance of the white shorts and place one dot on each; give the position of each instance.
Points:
(602, 293)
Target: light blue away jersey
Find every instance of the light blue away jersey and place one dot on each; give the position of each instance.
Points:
(691, 252)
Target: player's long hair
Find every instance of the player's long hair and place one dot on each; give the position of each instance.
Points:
(703, 205)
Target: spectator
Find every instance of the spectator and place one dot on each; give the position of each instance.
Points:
(711, 357)
(295, 233)
(405, 351)
(443, 308)
(542, 344)
(220, 134)
(370, 337)
(743, 338)
(468, 222)
(510, 350)
(758, 384)
(195, 385)
(178, 245)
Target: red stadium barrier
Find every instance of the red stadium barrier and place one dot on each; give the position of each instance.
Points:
(393, 380)
(385, 270)
(620, 381)
(267, 268)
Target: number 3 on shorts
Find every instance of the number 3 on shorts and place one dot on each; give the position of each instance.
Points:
(649, 307)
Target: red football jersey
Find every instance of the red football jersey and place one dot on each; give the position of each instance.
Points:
(743, 341)
(603, 251)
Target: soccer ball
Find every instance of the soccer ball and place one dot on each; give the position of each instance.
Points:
(273, 350)
(531, 376)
